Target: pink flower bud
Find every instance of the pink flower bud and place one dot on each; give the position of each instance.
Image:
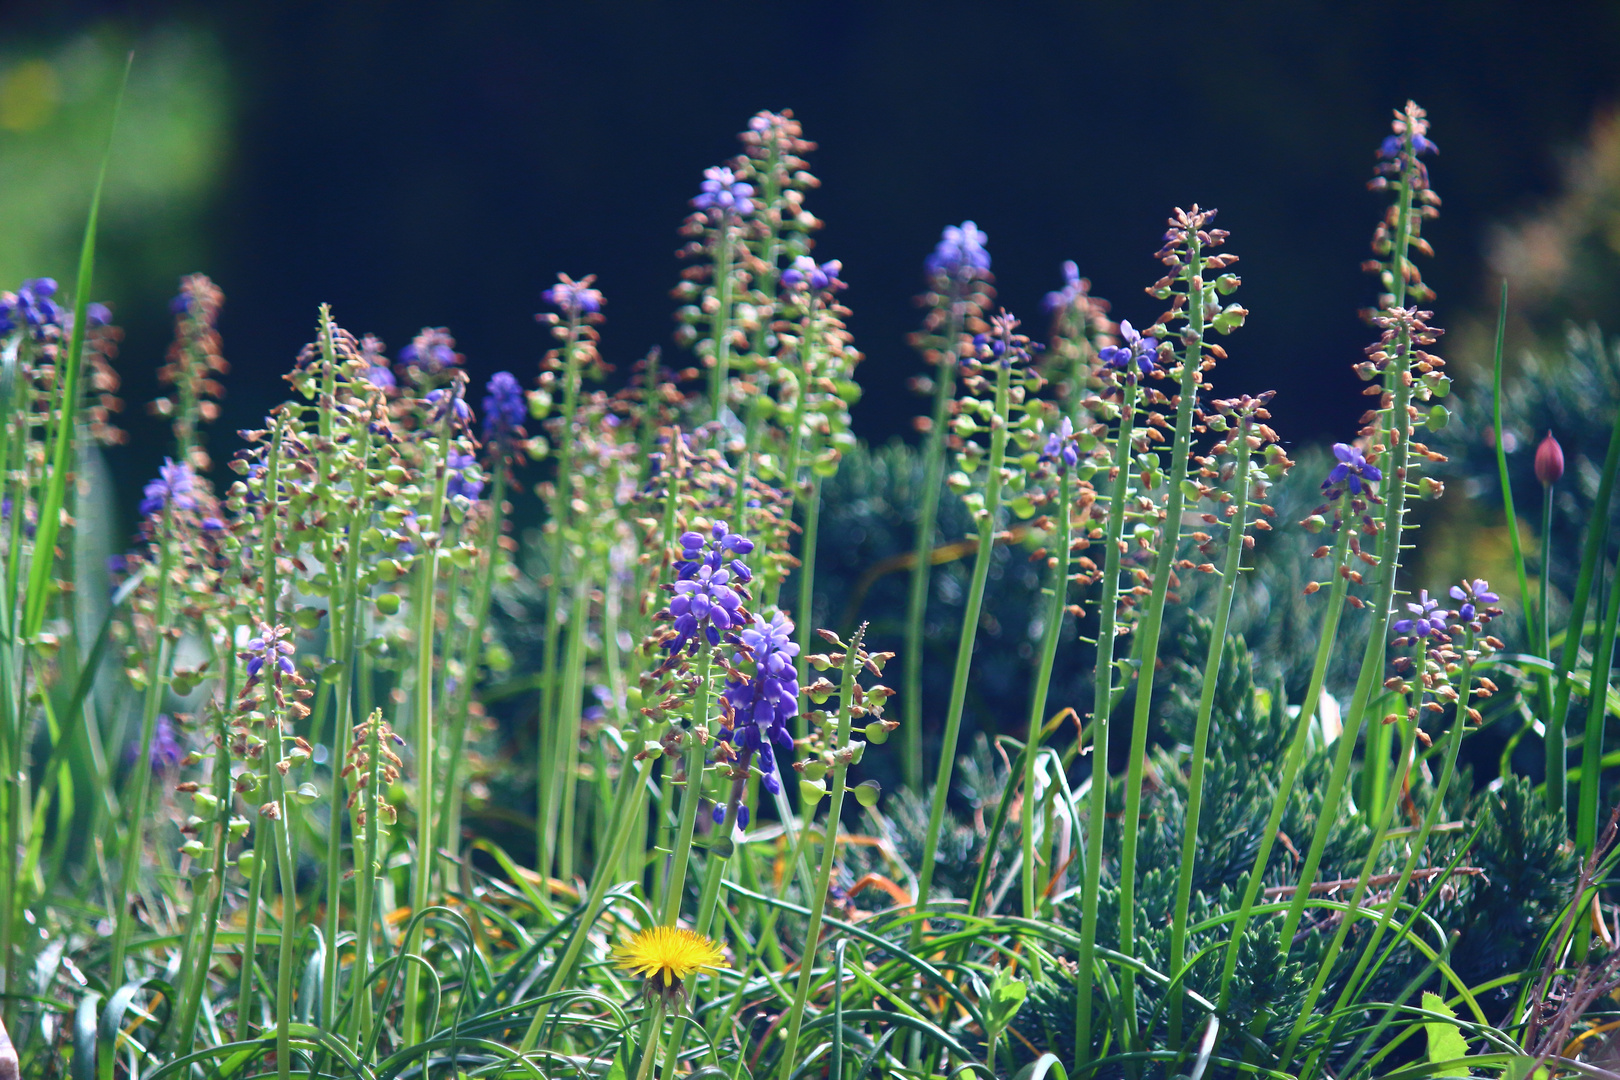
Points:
(1549, 461)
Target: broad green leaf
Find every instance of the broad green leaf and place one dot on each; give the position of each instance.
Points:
(1445, 1041)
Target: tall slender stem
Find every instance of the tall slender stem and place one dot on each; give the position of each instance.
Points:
(1206, 711)
(829, 849)
(1043, 678)
(691, 792)
(1294, 758)
(157, 679)
(1147, 637)
(970, 630)
(1102, 706)
(426, 856)
(923, 550)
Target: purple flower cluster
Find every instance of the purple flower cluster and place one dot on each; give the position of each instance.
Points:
(433, 350)
(31, 306)
(1060, 446)
(1390, 148)
(505, 407)
(960, 252)
(707, 597)
(459, 483)
(448, 402)
(1059, 299)
(763, 705)
(722, 192)
(377, 371)
(574, 298)
(1139, 350)
(1426, 619)
(1352, 472)
(270, 647)
(1473, 595)
(804, 271)
(165, 753)
(172, 488)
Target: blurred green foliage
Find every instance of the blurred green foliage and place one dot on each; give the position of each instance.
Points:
(170, 152)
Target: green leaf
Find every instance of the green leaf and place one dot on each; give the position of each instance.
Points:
(1445, 1041)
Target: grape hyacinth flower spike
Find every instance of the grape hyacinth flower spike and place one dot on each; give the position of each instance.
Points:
(762, 707)
(574, 298)
(1476, 598)
(708, 590)
(433, 351)
(1060, 446)
(31, 306)
(1139, 350)
(172, 488)
(505, 408)
(960, 252)
(721, 193)
(1426, 620)
(1353, 471)
(459, 483)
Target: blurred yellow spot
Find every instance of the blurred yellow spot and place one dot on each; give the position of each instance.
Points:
(28, 94)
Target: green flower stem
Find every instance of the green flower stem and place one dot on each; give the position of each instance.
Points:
(561, 520)
(922, 553)
(1375, 749)
(601, 878)
(1597, 535)
(161, 656)
(649, 1049)
(346, 626)
(790, 468)
(1459, 728)
(287, 877)
(1368, 869)
(565, 791)
(1535, 629)
(807, 578)
(1294, 759)
(254, 910)
(1238, 439)
(1597, 694)
(714, 870)
(1370, 680)
(214, 896)
(1102, 703)
(426, 855)
(691, 791)
(720, 323)
(365, 872)
(970, 629)
(1147, 637)
(484, 591)
(829, 843)
(1043, 677)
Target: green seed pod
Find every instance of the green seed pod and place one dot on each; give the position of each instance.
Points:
(388, 603)
(193, 848)
(1314, 524)
(308, 618)
(877, 733)
(246, 861)
(307, 793)
(814, 770)
(811, 792)
(867, 793)
(1438, 418)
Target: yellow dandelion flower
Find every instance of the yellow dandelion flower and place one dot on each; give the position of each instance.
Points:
(670, 953)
